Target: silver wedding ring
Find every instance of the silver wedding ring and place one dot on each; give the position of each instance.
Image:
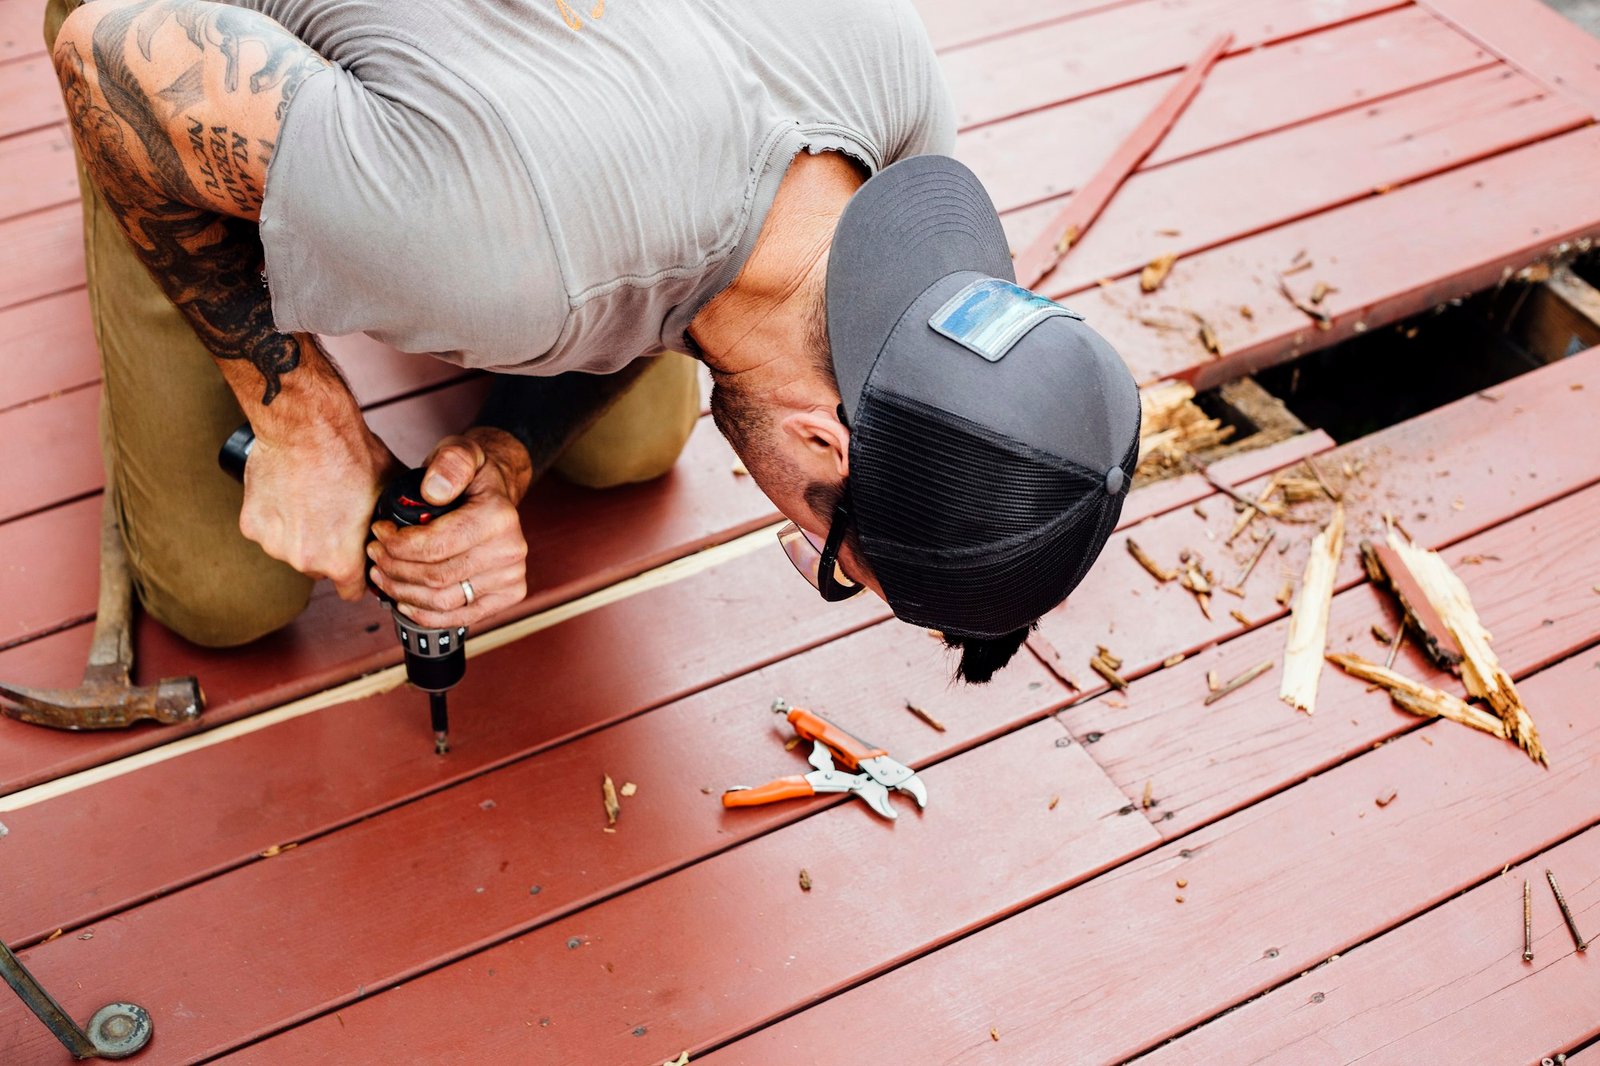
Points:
(466, 590)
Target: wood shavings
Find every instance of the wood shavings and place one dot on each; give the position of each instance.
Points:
(1481, 671)
(1316, 473)
(994, 1034)
(1149, 798)
(1308, 625)
(1198, 583)
(1422, 700)
(1296, 269)
(805, 880)
(608, 794)
(1387, 798)
(1212, 682)
(739, 469)
(1168, 233)
(1262, 504)
(1301, 489)
(1317, 314)
(791, 744)
(1054, 800)
(1285, 594)
(1320, 291)
(1206, 335)
(1172, 427)
(277, 849)
(1237, 588)
(1237, 683)
(1183, 882)
(1246, 314)
(1155, 569)
(53, 936)
(1106, 665)
(1173, 660)
(681, 1060)
(1381, 635)
(1155, 272)
(1240, 617)
(628, 789)
(927, 719)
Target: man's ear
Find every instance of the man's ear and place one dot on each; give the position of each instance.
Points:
(824, 437)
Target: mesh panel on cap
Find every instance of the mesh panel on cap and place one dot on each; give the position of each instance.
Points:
(970, 531)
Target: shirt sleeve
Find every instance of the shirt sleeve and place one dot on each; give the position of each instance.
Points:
(929, 116)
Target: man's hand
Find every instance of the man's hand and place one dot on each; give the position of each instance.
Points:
(422, 567)
(308, 499)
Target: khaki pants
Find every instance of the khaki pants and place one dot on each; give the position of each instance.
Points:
(165, 410)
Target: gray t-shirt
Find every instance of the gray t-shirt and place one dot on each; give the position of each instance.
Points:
(537, 186)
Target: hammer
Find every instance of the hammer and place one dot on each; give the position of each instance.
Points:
(108, 699)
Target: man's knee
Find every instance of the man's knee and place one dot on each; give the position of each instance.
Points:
(643, 433)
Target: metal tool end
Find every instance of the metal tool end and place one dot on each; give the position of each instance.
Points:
(118, 1030)
(439, 709)
(780, 706)
(105, 702)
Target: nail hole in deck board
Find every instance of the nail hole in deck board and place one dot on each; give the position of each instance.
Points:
(1386, 376)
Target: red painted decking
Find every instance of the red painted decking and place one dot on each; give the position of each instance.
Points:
(472, 909)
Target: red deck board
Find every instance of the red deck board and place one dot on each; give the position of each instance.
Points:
(600, 537)
(44, 253)
(1423, 992)
(1051, 151)
(1218, 196)
(544, 812)
(1533, 37)
(954, 23)
(1205, 762)
(21, 28)
(1053, 63)
(36, 171)
(30, 96)
(725, 622)
(1523, 204)
(49, 347)
(1415, 470)
(1113, 967)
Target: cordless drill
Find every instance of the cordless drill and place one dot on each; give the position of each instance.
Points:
(436, 659)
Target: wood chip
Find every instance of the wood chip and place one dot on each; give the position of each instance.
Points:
(1053, 801)
(1296, 268)
(1168, 233)
(608, 793)
(1388, 569)
(1333, 494)
(1149, 798)
(1318, 315)
(1285, 594)
(1212, 683)
(994, 1034)
(791, 744)
(681, 1060)
(1113, 661)
(1155, 569)
(1207, 335)
(278, 849)
(1245, 313)
(1381, 635)
(1308, 625)
(739, 469)
(1183, 882)
(1239, 682)
(805, 880)
(1481, 671)
(1257, 506)
(1249, 567)
(1320, 291)
(927, 719)
(1156, 271)
(1173, 660)
(53, 936)
(1387, 798)
(1196, 581)
(1417, 698)
(628, 789)
(1240, 617)
(1109, 673)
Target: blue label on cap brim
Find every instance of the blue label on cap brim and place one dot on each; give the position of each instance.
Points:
(989, 316)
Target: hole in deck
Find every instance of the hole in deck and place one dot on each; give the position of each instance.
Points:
(1398, 372)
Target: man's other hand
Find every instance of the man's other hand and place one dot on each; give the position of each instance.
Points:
(422, 567)
(308, 499)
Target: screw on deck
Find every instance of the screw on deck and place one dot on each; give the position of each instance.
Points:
(1566, 912)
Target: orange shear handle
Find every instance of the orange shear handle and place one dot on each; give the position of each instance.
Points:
(784, 788)
(849, 749)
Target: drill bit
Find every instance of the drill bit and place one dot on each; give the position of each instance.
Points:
(439, 708)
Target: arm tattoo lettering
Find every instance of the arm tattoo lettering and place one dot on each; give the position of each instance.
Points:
(208, 263)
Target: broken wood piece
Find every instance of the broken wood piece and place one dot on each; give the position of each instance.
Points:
(1481, 671)
(1193, 579)
(1156, 271)
(1388, 570)
(1320, 291)
(628, 789)
(1149, 797)
(805, 880)
(1240, 617)
(1285, 594)
(1069, 224)
(1207, 335)
(1246, 314)
(1394, 647)
(1318, 315)
(1239, 682)
(1316, 472)
(608, 793)
(1254, 507)
(1109, 672)
(1387, 798)
(1308, 625)
(1211, 680)
(739, 469)
(1419, 699)
(1381, 635)
(1173, 660)
(1113, 661)
(927, 719)
(1249, 567)
(1156, 570)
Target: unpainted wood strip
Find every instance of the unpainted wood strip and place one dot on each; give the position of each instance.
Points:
(1423, 700)
(1308, 624)
(392, 677)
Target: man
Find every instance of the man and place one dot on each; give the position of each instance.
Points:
(527, 188)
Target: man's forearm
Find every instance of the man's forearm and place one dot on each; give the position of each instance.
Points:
(183, 175)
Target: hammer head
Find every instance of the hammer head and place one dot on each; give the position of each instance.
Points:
(105, 700)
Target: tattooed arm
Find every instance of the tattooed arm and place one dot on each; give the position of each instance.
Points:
(176, 106)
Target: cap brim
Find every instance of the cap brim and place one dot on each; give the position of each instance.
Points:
(910, 225)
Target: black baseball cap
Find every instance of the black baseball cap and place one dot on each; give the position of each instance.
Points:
(993, 432)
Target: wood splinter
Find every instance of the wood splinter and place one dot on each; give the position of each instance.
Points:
(1106, 665)
(1156, 570)
(1308, 624)
(1411, 695)
(1249, 567)
(926, 718)
(1239, 682)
